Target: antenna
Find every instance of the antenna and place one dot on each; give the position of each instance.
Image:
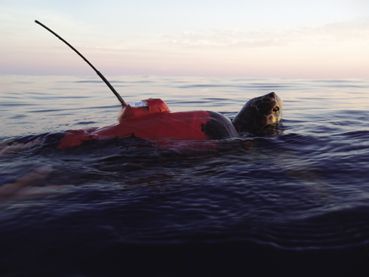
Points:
(124, 104)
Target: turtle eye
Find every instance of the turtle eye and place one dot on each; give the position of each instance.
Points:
(276, 109)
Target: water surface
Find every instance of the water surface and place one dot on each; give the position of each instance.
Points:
(270, 204)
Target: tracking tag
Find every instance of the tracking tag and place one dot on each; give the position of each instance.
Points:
(139, 104)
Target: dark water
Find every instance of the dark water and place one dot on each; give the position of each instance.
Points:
(294, 203)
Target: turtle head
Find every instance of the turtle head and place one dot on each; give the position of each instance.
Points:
(259, 113)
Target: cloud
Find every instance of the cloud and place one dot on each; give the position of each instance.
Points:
(224, 38)
(347, 32)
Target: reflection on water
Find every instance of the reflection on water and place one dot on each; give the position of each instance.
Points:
(301, 192)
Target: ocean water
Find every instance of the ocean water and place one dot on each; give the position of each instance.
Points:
(296, 202)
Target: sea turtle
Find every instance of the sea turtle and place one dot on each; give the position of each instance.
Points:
(154, 122)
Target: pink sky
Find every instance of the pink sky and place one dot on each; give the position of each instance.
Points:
(234, 38)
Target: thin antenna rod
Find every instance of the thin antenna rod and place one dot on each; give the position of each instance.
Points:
(124, 104)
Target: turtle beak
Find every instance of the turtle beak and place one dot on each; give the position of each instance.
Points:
(268, 104)
(270, 107)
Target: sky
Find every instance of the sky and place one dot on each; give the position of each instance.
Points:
(264, 38)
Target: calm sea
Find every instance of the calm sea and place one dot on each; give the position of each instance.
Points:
(293, 203)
